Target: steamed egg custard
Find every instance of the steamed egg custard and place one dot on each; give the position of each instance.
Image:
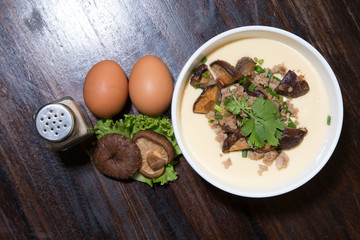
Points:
(232, 168)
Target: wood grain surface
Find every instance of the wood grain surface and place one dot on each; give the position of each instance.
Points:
(46, 50)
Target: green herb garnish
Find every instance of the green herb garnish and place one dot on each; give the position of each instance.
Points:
(218, 116)
(264, 122)
(203, 60)
(244, 153)
(269, 74)
(226, 101)
(218, 108)
(272, 92)
(291, 124)
(244, 81)
(211, 121)
(261, 61)
(328, 121)
(197, 86)
(285, 107)
(252, 87)
(276, 78)
(259, 69)
(205, 75)
(235, 106)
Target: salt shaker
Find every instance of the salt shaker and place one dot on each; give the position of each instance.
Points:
(61, 124)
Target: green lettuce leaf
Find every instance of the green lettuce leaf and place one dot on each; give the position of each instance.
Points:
(169, 175)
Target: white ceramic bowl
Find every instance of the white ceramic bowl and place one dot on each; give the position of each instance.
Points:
(311, 54)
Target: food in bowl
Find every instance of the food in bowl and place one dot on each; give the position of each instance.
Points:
(249, 108)
(241, 174)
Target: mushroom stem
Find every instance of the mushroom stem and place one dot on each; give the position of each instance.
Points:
(155, 161)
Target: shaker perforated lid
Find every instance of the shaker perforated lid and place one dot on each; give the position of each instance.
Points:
(54, 122)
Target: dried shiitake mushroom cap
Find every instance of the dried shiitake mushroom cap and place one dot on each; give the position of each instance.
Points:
(156, 151)
(117, 156)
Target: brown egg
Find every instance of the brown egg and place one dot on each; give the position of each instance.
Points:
(105, 89)
(151, 86)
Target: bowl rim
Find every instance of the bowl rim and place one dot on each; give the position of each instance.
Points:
(180, 83)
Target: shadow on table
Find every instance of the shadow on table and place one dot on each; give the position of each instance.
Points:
(79, 154)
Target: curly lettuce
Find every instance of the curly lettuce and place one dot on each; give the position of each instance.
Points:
(132, 124)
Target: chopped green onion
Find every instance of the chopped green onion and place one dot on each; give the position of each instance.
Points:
(218, 116)
(328, 121)
(205, 75)
(256, 59)
(197, 86)
(211, 121)
(226, 114)
(244, 153)
(272, 92)
(291, 124)
(261, 61)
(203, 61)
(259, 69)
(218, 102)
(269, 74)
(277, 79)
(244, 80)
(285, 106)
(218, 108)
(252, 87)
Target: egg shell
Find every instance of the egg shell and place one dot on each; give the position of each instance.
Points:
(151, 86)
(105, 89)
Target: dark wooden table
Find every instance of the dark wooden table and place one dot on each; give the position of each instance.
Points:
(46, 49)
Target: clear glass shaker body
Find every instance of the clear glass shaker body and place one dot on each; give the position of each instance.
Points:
(61, 124)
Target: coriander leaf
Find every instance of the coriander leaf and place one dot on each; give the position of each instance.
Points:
(235, 106)
(267, 115)
(271, 132)
(256, 132)
(264, 123)
(248, 127)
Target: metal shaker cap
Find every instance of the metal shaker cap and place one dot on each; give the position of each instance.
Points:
(54, 122)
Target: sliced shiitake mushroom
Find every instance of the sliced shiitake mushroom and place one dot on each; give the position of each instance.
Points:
(292, 137)
(245, 66)
(235, 142)
(225, 73)
(207, 99)
(156, 151)
(117, 156)
(292, 86)
(202, 77)
(256, 91)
